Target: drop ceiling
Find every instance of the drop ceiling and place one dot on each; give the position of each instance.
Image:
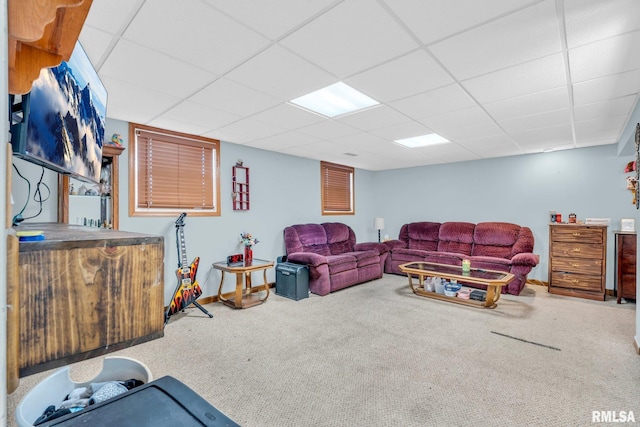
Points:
(495, 77)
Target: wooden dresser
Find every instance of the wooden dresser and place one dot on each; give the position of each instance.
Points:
(85, 292)
(625, 264)
(577, 260)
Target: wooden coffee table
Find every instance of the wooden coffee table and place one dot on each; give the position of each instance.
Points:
(244, 296)
(494, 280)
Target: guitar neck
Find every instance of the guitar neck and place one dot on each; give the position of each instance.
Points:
(182, 249)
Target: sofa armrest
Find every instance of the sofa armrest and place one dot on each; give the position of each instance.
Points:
(380, 248)
(308, 258)
(526, 259)
(394, 244)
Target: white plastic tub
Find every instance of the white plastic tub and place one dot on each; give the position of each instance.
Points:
(53, 389)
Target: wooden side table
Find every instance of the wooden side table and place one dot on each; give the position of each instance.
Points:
(244, 294)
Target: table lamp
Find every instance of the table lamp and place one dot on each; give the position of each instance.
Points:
(378, 224)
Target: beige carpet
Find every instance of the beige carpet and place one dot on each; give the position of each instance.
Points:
(377, 355)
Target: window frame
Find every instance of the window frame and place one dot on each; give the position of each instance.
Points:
(327, 167)
(134, 185)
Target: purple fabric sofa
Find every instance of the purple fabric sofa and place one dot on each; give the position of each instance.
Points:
(490, 245)
(334, 258)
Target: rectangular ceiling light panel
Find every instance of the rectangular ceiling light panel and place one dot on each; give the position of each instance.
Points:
(422, 140)
(335, 100)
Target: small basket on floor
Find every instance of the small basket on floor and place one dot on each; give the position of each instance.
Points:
(53, 389)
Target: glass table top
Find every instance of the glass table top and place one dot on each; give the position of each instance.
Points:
(254, 263)
(434, 269)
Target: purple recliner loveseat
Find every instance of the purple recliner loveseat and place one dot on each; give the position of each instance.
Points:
(498, 246)
(334, 258)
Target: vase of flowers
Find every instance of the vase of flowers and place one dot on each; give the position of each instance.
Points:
(248, 241)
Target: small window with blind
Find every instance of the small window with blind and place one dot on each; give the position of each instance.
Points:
(171, 173)
(337, 189)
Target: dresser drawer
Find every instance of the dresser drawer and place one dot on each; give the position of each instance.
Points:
(577, 250)
(577, 265)
(628, 246)
(577, 281)
(576, 234)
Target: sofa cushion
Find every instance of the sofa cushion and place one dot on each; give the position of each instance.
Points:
(408, 255)
(495, 239)
(449, 258)
(491, 263)
(456, 237)
(421, 235)
(313, 239)
(340, 263)
(306, 238)
(340, 237)
(364, 258)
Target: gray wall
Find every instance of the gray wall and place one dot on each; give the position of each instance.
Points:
(521, 189)
(286, 190)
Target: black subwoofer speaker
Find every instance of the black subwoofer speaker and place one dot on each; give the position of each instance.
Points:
(292, 280)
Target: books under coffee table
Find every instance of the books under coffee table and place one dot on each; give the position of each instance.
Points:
(493, 280)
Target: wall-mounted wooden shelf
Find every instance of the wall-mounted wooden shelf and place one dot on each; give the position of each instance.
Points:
(110, 156)
(240, 181)
(41, 34)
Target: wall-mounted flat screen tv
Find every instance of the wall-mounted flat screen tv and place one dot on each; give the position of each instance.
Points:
(60, 123)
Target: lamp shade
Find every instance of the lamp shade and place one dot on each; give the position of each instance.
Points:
(378, 223)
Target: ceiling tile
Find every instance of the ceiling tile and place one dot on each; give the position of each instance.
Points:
(461, 133)
(280, 73)
(402, 130)
(532, 33)
(284, 140)
(587, 21)
(244, 131)
(608, 109)
(288, 116)
(606, 87)
(432, 20)
(468, 117)
(523, 79)
(165, 122)
(328, 129)
(194, 33)
(374, 118)
(314, 150)
(153, 70)
(545, 137)
(283, 15)
(229, 96)
(535, 121)
(450, 153)
(499, 151)
(95, 42)
(208, 118)
(610, 56)
(149, 104)
(525, 105)
(112, 16)
(438, 101)
(365, 143)
(413, 73)
(373, 37)
(600, 129)
(488, 142)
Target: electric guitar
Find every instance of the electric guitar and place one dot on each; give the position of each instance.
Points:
(188, 289)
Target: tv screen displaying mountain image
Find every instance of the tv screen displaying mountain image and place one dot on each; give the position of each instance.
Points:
(63, 118)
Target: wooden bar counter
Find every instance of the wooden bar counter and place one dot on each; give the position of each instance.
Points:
(85, 292)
